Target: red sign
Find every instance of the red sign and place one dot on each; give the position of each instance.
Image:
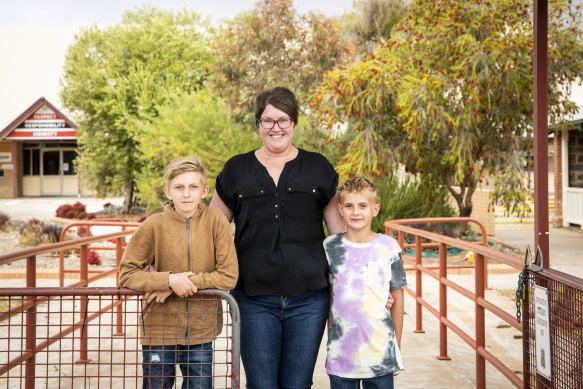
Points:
(44, 116)
(43, 124)
(27, 134)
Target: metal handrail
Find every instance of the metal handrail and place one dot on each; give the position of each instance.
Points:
(108, 222)
(30, 254)
(478, 296)
(484, 242)
(54, 247)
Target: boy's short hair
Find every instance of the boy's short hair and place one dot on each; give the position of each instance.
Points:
(191, 163)
(357, 184)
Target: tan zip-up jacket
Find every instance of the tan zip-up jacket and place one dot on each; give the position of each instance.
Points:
(171, 243)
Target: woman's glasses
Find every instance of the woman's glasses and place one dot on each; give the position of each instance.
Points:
(268, 124)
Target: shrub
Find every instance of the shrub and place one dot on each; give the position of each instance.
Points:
(110, 209)
(138, 209)
(30, 222)
(51, 233)
(35, 232)
(75, 211)
(404, 200)
(4, 222)
(31, 235)
(93, 258)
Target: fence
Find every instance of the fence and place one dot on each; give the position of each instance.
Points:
(564, 294)
(73, 338)
(88, 337)
(478, 341)
(108, 224)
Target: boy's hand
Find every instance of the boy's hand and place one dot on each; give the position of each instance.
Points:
(390, 302)
(159, 295)
(181, 285)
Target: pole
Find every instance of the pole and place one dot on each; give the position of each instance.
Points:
(540, 91)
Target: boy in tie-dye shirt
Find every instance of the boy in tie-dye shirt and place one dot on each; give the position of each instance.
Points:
(363, 338)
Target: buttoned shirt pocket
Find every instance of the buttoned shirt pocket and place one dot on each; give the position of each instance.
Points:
(251, 202)
(304, 199)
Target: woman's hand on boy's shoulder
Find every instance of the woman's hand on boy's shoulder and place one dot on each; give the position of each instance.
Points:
(390, 302)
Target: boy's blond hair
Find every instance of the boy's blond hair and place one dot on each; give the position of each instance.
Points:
(357, 184)
(191, 163)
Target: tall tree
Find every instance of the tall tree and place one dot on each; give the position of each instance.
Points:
(450, 95)
(115, 77)
(371, 22)
(188, 123)
(274, 45)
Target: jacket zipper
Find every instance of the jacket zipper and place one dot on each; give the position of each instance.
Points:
(188, 300)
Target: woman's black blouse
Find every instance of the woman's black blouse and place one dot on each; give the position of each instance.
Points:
(279, 230)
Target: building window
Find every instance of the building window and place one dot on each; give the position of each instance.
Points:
(31, 162)
(575, 159)
(51, 163)
(69, 162)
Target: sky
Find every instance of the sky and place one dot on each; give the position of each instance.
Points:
(107, 12)
(35, 34)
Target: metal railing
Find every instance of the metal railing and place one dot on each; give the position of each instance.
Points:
(478, 343)
(82, 244)
(111, 222)
(439, 220)
(71, 338)
(48, 337)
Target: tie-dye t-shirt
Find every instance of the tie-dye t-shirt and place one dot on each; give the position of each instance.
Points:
(361, 338)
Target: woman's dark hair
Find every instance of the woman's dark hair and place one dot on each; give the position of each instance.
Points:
(281, 98)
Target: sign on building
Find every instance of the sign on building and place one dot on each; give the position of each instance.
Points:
(44, 124)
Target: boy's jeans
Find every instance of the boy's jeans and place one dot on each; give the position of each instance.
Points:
(382, 382)
(196, 365)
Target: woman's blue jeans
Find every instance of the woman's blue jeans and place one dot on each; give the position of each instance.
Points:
(280, 338)
(196, 365)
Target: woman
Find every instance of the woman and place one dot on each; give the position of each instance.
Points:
(278, 196)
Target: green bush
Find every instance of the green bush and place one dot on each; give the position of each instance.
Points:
(404, 199)
(189, 123)
(110, 209)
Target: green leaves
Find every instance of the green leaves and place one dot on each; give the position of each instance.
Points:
(274, 45)
(116, 78)
(188, 123)
(453, 89)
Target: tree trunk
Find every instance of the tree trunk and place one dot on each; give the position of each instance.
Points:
(466, 210)
(467, 206)
(463, 199)
(128, 196)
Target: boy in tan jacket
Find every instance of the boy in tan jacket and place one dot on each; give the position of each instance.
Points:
(188, 247)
